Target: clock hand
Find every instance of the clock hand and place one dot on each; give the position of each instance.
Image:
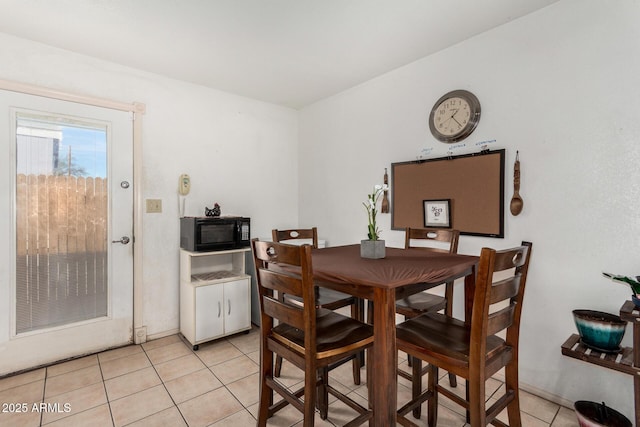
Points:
(454, 119)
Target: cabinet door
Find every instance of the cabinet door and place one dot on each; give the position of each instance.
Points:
(209, 312)
(237, 305)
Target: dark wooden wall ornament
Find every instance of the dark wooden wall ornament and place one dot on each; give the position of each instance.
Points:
(385, 197)
(474, 183)
(516, 201)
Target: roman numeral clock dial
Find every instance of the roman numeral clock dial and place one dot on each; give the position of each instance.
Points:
(454, 116)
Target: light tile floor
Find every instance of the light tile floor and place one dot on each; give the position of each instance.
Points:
(165, 383)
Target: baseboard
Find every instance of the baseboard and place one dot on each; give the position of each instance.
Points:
(163, 334)
(540, 393)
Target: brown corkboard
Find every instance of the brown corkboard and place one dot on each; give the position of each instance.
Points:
(473, 183)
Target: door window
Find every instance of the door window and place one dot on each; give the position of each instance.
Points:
(61, 221)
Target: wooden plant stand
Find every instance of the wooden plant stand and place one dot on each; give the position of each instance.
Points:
(626, 361)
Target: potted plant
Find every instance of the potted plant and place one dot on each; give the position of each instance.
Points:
(592, 414)
(633, 283)
(373, 247)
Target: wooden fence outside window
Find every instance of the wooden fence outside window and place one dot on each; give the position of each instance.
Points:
(61, 249)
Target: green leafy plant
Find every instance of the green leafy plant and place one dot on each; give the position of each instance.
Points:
(633, 283)
(371, 205)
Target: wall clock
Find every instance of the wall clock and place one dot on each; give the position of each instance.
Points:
(454, 116)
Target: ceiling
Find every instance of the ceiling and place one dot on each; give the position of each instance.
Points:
(288, 52)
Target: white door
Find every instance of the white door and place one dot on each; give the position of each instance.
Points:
(66, 285)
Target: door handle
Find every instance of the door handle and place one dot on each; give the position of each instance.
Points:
(124, 240)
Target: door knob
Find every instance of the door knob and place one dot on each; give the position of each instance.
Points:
(124, 240)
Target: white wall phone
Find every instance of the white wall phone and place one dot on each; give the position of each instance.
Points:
(185, 184)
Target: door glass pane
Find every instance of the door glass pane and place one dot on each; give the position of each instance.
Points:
(61, 221)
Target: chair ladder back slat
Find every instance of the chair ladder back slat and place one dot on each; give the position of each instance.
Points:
(284, 313)
(501, 319)
(507, 259)
(505, 289)
(295, 234)
(281, 282)
(436, 235)
(285, 253)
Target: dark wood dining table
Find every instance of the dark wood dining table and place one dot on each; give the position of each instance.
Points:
(402, 272)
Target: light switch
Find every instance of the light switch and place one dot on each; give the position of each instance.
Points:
(154, 205)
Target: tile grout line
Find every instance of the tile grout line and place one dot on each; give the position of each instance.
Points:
(44, 390)
(223, 384)
(175, 404)
(106, 394)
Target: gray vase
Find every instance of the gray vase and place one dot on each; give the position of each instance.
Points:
(373, 249)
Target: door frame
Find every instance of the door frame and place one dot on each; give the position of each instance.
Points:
(138, 110)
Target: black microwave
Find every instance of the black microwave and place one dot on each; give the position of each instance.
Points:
(201, 234)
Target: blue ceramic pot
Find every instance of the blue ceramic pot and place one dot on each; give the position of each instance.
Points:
(598, 330)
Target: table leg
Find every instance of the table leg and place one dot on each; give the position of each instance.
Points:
(385, 358)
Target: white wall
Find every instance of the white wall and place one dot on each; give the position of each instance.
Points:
(227, 144)
(561, 86)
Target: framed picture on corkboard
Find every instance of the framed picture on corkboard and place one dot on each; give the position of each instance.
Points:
(437, 213)
(467, 193)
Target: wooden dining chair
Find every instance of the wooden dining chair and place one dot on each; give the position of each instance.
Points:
(325, 298)
(472, 349)
(313, 339)
(422, 302)
(438, 240)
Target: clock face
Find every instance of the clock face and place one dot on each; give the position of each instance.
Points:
(454, 116)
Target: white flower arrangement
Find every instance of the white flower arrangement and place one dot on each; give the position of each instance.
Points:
(371, 205)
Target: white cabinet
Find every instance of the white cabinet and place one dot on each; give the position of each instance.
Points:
(215, 298)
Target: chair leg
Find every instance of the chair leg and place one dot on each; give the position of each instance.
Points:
(477, 400)
(360, 317)
(432, 405)
(453, 381)
(409, 358)
(310, 396)
(266, 393)
(323, 397)
(356, 368)
(511, 383)
(448, 310)
(358, 360)
(466, 397)
(369, 380)
(416, 384)
(278, 368)
(263, 412)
